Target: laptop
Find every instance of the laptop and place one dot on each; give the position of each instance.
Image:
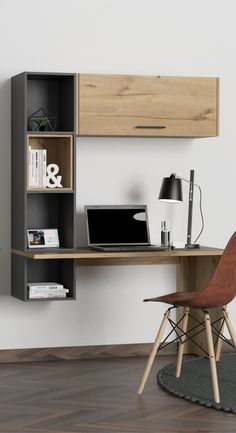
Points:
(119, 228)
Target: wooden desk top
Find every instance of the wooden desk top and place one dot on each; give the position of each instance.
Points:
(87, 256)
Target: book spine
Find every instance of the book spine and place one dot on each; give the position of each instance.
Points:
(46, 295)
(44, 167)
(32, 168)
(40, 170)
(37, 180)
(33, 173)
(48, 291)
(29, 167)
(45, 283)
(46, 287)
(37, 160)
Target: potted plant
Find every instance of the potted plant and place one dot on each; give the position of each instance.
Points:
(42, 121)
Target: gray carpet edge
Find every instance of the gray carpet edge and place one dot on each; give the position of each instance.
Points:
(167, 380)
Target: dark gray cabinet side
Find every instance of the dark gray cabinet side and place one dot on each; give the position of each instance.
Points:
(43, 208)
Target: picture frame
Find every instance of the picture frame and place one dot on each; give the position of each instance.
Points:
(43, 238)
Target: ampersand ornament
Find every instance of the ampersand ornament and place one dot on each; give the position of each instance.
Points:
(52, 180)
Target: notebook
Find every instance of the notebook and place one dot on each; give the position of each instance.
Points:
(119, 228)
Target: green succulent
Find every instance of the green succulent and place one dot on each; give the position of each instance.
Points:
(40, 122)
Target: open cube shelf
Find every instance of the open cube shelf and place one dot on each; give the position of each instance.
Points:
(53, 93)
(27, 271)
(50, 211)
(59, 151)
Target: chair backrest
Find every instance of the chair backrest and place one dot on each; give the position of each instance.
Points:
(222, 286)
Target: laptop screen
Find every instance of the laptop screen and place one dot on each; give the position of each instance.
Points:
(114, 225)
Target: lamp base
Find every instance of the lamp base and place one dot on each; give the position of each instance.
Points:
(192, 246)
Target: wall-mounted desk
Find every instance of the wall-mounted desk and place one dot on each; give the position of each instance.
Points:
(87, 256)
(194, 267)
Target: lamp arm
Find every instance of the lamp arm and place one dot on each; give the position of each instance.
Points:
(186, 180)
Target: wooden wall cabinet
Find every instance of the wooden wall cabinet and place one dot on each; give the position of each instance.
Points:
(151, 106)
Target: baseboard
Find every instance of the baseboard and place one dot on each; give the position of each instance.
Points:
(80, 352)
(85, 352)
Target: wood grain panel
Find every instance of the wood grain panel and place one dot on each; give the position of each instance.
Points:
(129, 105)
(194, 273)
(85, 255)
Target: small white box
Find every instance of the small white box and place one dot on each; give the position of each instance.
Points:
(178, 244)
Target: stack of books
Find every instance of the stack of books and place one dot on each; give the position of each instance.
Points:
(46, 290)
(37, 168)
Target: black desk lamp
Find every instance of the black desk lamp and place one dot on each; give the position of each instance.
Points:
(171, 191)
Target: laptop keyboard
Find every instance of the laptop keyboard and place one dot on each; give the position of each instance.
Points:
(133, 247)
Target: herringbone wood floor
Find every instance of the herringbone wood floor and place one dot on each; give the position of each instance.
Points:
(97, 396)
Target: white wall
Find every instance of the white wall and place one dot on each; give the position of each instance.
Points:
(125, 36)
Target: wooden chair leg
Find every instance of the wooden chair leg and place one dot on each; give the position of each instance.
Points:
(181, 343)
(212, 360)
(219, 340)
(229, 325)
(154, 351)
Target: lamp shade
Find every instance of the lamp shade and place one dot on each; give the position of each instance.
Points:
(171, 190)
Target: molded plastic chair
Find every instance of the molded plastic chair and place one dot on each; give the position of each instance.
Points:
(217, 294)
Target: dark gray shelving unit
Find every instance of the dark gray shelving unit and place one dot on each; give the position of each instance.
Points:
(43, 208)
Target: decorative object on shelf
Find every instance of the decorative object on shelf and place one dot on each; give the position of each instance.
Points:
(43, 238)
(40, 120)
(52, 180)
(171, 191)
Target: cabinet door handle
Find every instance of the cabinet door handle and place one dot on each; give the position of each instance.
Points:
(150, 126)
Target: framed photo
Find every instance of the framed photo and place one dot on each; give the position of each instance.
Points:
(43, 238)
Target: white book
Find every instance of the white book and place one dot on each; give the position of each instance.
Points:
(32, 180)
(29, 166)
(42, 294)
(47, 286)
(39, 290)
(46, 295)
(40, 171)
(44, 283)
(33, 172)
(44, 167)
(37, 179)
(37, 168)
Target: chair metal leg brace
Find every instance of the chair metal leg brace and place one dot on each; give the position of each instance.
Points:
(181, 343)
(219, 340)
(154, 351)
(212, 360)
(185, 337)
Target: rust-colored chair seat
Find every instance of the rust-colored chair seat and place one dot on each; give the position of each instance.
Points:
(200, 300)
(218, 293)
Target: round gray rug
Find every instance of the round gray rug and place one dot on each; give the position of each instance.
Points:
(194, 383)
